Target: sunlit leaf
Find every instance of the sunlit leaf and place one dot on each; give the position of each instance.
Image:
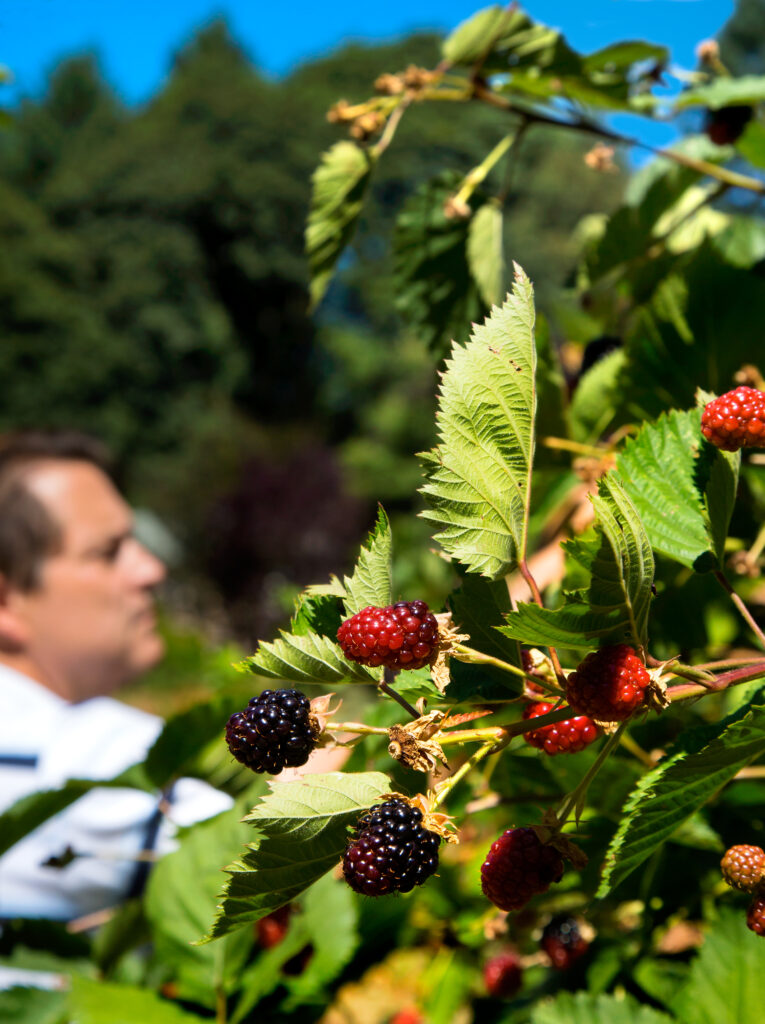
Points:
(484, 250)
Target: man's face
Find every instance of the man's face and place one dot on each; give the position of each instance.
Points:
(90, 624)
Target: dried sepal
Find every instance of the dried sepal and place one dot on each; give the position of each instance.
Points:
(442, 824)
(319, 718)
(448, 639)
(413, 744)
(549, 833)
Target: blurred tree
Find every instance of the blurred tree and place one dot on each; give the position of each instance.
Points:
(742, 40)
(153, 283)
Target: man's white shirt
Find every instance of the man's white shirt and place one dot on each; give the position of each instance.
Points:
(44, 740)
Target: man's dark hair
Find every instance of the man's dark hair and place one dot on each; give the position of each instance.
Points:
(28, 533)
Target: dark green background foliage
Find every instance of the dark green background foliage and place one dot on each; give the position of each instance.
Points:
(153, 291)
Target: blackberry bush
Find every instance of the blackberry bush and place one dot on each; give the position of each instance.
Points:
(563, 941)
(275, 731)
(608, 685)
(743, 868)
(518, 866)
(567, 737)
(503, 975)
(735, 420)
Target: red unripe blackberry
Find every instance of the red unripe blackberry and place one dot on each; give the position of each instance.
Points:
(503, 975)
(391, 850)
(743, 867)
(755, 916)
(735, 420)
(567, 737)
(274, 731)
(563, 941)
(402, 635)
(272, 929)
(608, 685)
(409, 1015)
(518, 866)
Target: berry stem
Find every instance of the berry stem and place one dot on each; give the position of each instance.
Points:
(467, 654)
(742, 608)
(388, 676)
(444, 788)
(524, 570)
(721, 682)
(563, 444)
(359, 727)
(637, 751)
(574, 801)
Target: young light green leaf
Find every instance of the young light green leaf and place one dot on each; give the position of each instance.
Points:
(695, 767)
(339, 184)
(474, 38)
(372, 579)
(682, 487)
(583, 1008)
(305, 659)
(478, 477)
(724, 92)
(727, 978)
(302, 833)
(484, 251)
(19, 1005)
(615, 605)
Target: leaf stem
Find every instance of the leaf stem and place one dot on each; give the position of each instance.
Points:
(524, 570)
(479, 173)
(563, 444)
(742, 608)
(574, 799)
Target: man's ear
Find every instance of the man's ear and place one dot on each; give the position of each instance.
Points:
(14, 630)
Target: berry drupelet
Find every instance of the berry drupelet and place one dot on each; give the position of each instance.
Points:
(275, 731)
(518, 866)
(399, 636)
(743, 868)
(503, 975)
(563, 941)
(608, 685)
(567, 737)
(755, 916)
(391, 850)
(735, 420)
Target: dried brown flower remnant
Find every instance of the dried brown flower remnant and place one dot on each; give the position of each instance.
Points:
(601, 158)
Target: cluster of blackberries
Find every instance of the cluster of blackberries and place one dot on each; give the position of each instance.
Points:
(275, 731)
(399, 636)
(743, 868)
(566, 737)
(735, 420)
(391, 850)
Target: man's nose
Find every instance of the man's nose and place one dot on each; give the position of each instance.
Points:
(149, 570)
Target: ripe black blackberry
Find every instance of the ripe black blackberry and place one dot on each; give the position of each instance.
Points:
(276, 730)
(391, 850)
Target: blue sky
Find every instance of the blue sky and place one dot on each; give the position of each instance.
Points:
(135, 40)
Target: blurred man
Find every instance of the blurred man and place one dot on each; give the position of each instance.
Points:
(77, 620)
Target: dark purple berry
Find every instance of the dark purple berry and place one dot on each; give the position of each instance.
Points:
(275, 731)
(391, 850)
(563, 941)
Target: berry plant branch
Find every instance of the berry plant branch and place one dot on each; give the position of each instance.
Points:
(740, 606)
(575, 799)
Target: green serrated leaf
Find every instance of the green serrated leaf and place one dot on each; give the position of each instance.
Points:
(682, 487)
(484, 251)
(478, 477)
(305, 659)
(727, 978)
(435, 291)
(372, 579)
(597, 398)
(302, 833)
(695, 767)
(583, 1008)
(101, 1002)
(339, 184)
(615, 605)
(724, 92)
(317, 613)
